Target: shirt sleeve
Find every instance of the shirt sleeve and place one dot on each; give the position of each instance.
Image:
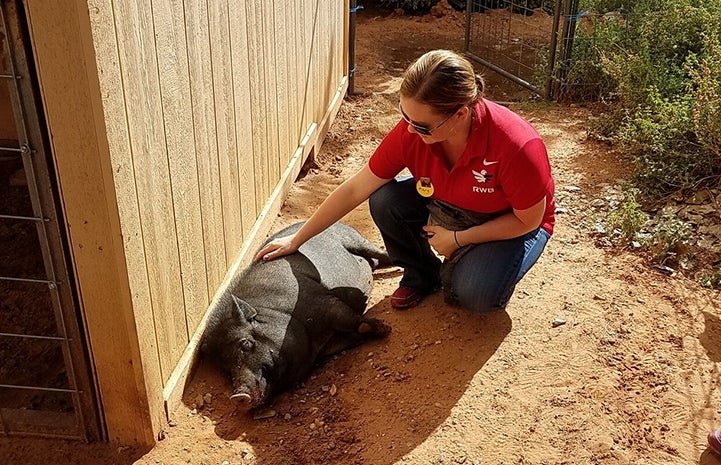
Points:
(389, 158)
(527, 178)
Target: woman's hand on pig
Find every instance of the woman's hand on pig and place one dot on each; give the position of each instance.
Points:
(276, 248)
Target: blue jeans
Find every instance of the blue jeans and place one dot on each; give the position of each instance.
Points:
(483, 279)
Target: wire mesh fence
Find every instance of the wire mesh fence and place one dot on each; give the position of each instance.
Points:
(547, 46)
(516, 38)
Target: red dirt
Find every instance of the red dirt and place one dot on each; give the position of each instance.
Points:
(630, 378)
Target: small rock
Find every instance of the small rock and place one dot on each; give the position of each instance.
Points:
(572, 188)
(665, 270)
(287, 416)
(263, 414)
(172, 423)
(333, 390)
(208, 398)
(558, 322)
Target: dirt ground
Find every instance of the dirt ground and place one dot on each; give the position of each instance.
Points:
(631, 377)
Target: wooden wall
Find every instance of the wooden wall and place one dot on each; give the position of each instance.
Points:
(191, 119)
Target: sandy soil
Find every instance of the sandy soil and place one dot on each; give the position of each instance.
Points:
(630, 378)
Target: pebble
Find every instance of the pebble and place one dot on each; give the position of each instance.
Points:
(558, 322)
(263, 414)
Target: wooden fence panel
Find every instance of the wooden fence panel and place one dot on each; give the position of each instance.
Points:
(271, 98)
(136, 41)
(172, 55)
(225, 127)
(210, 108)
(281, 38)
(257, 109)
(248, 205)
(200, 64)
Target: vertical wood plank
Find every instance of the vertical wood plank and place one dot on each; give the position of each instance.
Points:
(346, 38)
(64, 53)
(281, 42)
(256, 57)
(114, 119)
(206, 146)
(338, 56)
(271, 98)
(136, 37)
(311, 60)
(225, 127)
(318, 46)
(243, 124)
(172, 55)
(291, 50)
(304, 64)
(325, 51)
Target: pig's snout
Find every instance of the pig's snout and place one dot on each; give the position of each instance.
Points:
(242, 400)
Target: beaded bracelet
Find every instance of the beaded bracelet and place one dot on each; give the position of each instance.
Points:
(455, 238)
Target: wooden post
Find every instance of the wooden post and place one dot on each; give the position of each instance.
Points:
(129, 385)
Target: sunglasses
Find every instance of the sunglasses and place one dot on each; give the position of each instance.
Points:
(425, 130)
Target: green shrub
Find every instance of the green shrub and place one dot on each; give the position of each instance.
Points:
(706, 87)
(656, 64)
(659, 139)
(628, 220)
(711, 280)
(670, 236)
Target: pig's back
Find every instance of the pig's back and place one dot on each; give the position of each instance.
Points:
(321, 266)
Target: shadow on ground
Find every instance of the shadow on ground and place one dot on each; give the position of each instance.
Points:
(379, 400)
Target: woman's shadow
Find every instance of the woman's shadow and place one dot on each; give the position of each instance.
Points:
(372, 404)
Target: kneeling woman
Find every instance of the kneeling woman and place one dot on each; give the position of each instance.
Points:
(480, 194)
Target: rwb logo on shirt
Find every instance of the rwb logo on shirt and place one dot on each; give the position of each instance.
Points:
(482, 177)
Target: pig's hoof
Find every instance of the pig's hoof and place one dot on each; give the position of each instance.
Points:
(242, 400)
(374, 327)
(365, 328)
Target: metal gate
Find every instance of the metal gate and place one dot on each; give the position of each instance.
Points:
(45, 382)
(526, 41)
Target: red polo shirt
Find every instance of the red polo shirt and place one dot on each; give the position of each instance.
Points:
(504, 164)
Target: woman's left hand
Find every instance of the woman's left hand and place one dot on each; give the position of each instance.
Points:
(441, 239)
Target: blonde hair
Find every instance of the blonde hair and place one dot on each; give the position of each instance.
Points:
(443, 80)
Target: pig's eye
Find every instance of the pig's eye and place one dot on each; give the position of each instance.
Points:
(247, 345)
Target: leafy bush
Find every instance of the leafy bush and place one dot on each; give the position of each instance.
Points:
(711, 280)
(657, 66)
(628, 220)
(670, 236)
(706, 87)
(660, 140)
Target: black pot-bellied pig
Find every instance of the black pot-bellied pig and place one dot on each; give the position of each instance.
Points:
(279, 316)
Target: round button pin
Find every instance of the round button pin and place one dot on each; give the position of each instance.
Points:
(424, 186)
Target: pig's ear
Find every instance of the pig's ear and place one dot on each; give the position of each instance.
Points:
(245, 309)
